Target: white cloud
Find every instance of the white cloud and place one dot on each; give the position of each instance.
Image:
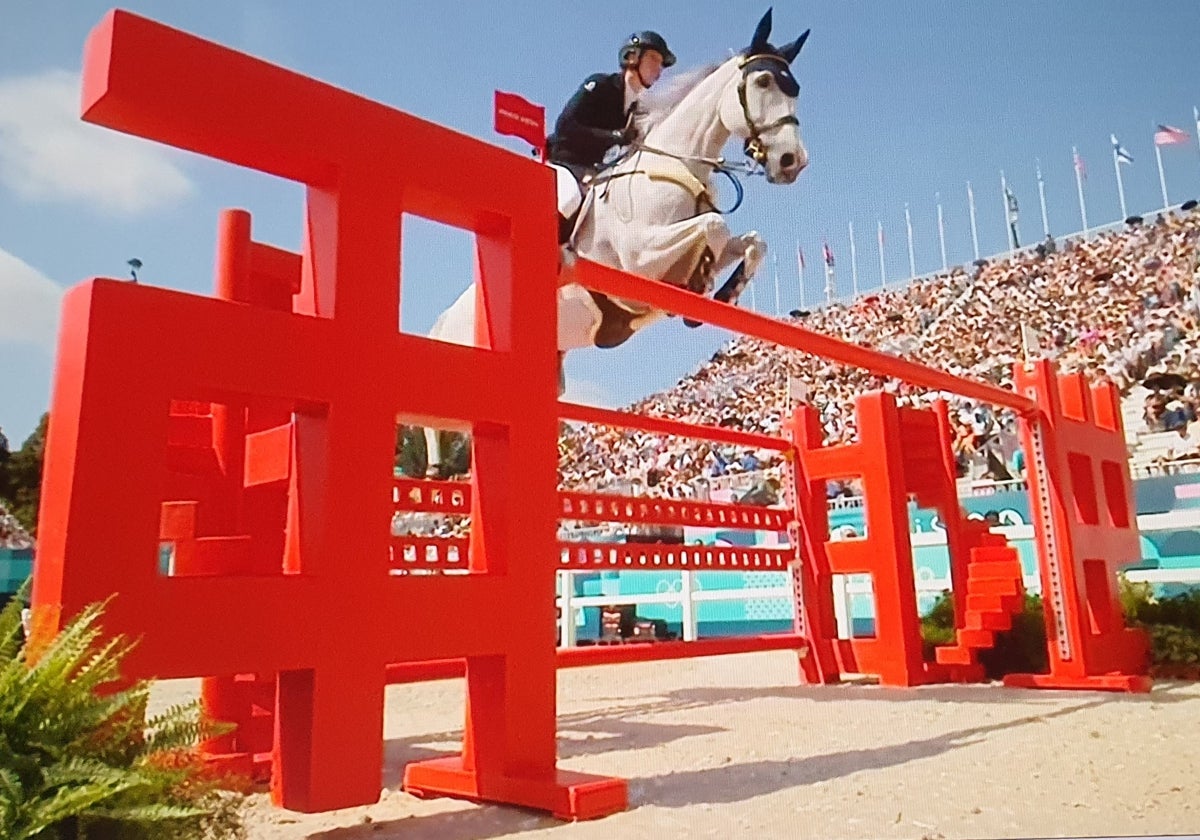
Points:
(48, 153)
(29, 304)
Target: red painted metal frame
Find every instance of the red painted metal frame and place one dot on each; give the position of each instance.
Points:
(584, 556)
(589, 655)
(598, 507)
(285, 563)
(336, 362)
(608, 417)
(610, 281)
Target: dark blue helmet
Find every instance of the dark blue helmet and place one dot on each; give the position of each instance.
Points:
(632, 49)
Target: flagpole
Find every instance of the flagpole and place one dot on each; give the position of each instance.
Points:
(853, 263)
(1042, 198)
(1162, 178)
(753, 297)
(974, 229)
(775, 261)
(1196, 117)
(829, 281)
(1004, 197)
(912, 261)
(879, 239)
(1079, 187)
(941, 230)
(800, 265)
(1120, 185)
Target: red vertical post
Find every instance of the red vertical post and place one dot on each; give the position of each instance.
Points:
(1082, 500)
(339, 365)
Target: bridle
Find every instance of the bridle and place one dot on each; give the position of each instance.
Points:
(754, 147)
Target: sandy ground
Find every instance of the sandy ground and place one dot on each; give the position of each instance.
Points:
(734, 747)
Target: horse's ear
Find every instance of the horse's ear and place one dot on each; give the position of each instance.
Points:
(793, 49)
(759, 42)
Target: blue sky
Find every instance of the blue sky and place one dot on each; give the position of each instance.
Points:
(899, 102)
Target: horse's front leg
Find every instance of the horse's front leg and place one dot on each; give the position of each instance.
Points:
(751, 250)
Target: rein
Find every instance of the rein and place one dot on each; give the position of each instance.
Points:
(718, 165)
(754, 147)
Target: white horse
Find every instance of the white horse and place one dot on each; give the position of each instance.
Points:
(654, 214)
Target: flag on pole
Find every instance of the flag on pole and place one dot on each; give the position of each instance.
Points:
(800, 257)
(518, 117)
(1013, 209)
(1168, 135)
(1080, 167)
(828, 254)
(1122, 155)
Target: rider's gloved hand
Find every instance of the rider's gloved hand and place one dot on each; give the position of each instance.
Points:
(625, 136)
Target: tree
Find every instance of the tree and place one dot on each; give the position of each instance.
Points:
(21, 485)
(5, 458)
(412, 456)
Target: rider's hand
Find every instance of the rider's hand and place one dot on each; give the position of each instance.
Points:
(625, 136)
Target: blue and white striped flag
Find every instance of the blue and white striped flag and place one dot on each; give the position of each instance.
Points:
(1122, 155)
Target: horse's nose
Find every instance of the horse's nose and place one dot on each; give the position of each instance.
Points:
(793, 163)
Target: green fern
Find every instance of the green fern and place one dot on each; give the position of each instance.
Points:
(78, 757)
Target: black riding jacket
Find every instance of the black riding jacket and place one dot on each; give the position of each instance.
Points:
(584, 130)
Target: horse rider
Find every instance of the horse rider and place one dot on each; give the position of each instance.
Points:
(600, 116)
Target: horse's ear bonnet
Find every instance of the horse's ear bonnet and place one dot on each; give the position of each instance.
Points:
(760, 55)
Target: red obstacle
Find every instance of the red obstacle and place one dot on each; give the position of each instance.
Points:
(1082, 499)
(901, 452)
(278, 496)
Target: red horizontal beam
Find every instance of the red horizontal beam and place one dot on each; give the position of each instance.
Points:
(579, 657)
(601, 507)
(628, 420)
(574, 657)
(610, 281)
(588, 556)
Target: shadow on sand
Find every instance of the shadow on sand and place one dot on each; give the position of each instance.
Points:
(622, 728)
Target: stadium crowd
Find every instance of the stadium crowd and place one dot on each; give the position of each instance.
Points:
(1118, 306)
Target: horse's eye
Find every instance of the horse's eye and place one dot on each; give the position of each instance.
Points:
(763, 81)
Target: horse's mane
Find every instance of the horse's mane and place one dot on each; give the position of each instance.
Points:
(657, 103)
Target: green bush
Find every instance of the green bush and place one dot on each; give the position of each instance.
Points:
(1174, 645)
(1173, 625)
(1135, 598)
(1021, 650)
(78, 758)
(1181, 610)
(937, 625)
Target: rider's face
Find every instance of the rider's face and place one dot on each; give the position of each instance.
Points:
(650, 67)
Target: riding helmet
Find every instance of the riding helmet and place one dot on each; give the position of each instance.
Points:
(631, 50)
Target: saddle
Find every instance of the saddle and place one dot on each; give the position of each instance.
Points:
(573, 185)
